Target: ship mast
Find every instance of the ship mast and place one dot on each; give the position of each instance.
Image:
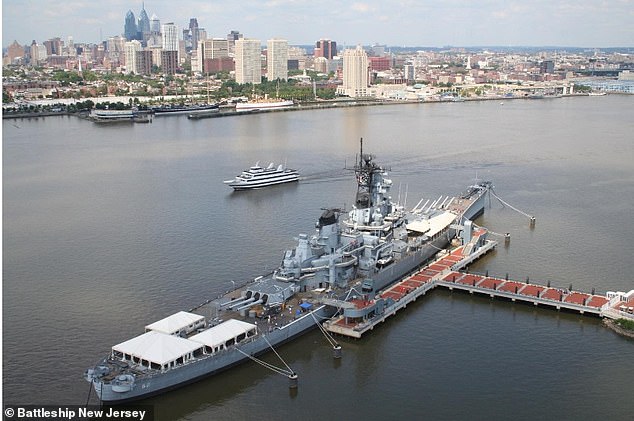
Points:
(363, 170)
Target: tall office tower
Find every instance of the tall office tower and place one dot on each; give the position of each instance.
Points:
(144, 21)
(248, 61)
(325, 48)
(170, 37)
(131, 48)
(193, 31)
(130, 29)
(277, 59)
(155, 25)
(355, 73)
(232, 37)
(202, 34)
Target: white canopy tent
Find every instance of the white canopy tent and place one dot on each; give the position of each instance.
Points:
(177, 323)
(231, 330)
(157, 350)
(432, 226)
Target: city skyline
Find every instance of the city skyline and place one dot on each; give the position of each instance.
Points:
(583, 23)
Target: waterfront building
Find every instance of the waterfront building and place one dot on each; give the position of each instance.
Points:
(325, 48)
(277, 59)
(355, 73)
(131, 48)
(248, 61)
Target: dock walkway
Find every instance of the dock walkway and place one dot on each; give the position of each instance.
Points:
(446, 272)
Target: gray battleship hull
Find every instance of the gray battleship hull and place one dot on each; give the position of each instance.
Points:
(204, 367)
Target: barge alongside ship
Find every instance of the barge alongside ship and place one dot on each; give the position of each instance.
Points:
(378, 240)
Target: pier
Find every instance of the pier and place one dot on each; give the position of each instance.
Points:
(361, 315)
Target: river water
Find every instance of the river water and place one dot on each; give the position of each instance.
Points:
(109, 228)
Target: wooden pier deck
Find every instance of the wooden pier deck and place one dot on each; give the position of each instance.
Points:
(445, 272)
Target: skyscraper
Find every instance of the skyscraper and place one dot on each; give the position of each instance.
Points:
(277, 59)
(130, 29)
(248, 62)
(355, 73)
(155, 25)
(144, 21)
(325, 48)
(170, 37)
(193, 31)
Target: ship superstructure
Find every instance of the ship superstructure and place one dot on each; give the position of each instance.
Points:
(373, 245)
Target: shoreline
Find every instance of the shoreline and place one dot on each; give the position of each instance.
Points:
(611, 324)
(314, 105)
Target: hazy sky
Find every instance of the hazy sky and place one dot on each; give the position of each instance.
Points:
(582, 23)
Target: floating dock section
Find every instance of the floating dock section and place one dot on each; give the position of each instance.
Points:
(360, 315)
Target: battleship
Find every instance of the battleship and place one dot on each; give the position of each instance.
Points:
(375, 243)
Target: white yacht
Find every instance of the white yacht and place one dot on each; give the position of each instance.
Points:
(257, 177)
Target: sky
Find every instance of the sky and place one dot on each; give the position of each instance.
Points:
(567, 23)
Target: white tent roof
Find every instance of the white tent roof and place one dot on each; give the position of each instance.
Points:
(433, 225)
(157, 347)
(220, 334)
(175, 322)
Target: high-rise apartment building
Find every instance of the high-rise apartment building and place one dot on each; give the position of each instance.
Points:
(131, 48)
(144, 62)
(355, 73)
(248, 61)
(169, 62)
(210, 49)
(325, 48)
(277, 59)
